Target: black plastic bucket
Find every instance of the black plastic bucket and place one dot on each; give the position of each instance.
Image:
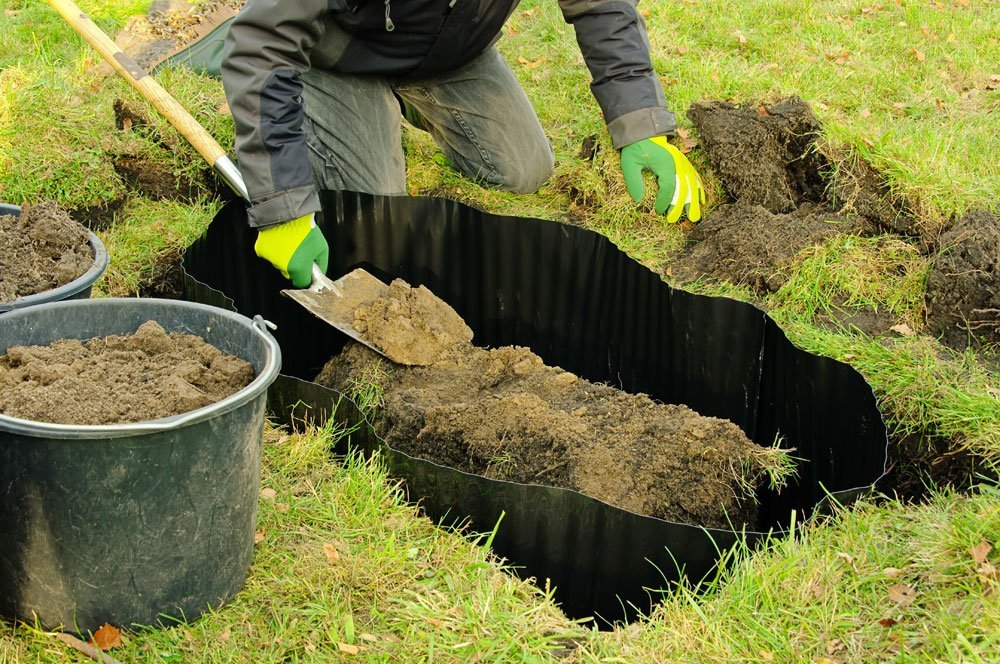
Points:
(78, 289)
(131, 524)
(581, 304)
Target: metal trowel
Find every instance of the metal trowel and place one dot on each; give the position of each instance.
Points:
(334, 302)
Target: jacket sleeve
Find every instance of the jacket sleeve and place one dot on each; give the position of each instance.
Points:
(266, 52)
(612, 37)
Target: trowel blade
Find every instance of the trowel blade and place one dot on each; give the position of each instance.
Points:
(335, 303)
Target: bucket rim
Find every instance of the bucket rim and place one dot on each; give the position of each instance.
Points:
(258, 386)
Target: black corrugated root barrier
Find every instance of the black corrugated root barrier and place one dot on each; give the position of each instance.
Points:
(581, 304)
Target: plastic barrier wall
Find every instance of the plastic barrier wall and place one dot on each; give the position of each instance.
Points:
(581, 304)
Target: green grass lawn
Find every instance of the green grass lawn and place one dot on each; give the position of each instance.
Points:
(346, 570)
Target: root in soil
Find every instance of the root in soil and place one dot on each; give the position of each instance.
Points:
(118, 379)
(502, 413)
(41, 249)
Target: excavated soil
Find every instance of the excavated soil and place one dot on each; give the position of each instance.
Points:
(765, 158)
(747, 244)
(502, 413)
(41, 249)
(117, 379)
(963, 288)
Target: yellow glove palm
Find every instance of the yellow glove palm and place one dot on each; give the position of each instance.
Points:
(293, 247)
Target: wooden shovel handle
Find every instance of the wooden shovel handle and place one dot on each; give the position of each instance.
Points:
(169, 107)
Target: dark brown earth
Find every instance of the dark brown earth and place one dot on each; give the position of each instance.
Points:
(766, 159)
(41, 249)
(117, 379)
(503, 414)
(963, 288)
(747, 244)
(763, 155)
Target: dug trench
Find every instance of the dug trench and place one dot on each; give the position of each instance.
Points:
(503, 414)
(784, 192)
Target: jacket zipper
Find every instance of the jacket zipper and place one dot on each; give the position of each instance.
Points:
(389, 25)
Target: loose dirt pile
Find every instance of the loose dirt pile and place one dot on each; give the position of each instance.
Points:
(765, 158)
(117, 379)
(504, 414)
(40, 250)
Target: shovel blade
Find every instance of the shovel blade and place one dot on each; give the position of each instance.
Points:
(335, 302)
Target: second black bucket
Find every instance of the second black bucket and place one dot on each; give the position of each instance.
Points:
(78, 289)
(131, 524)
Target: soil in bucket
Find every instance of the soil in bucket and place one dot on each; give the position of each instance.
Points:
(118, 379)
(41, 249)
(502, 413)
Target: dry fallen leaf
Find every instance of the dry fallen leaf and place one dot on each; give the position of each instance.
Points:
(348, 648)
(107, 637)
(834, 646)
(258, 537)
(892, 572)
(980, 552)
(437, 622)
(268, 493)
(528, 63)
(645, 13)
(903, 329)
(902, 594)
(887, 622)
(331, 553)
(918, 54)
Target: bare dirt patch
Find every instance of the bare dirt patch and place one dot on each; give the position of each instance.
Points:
(118, 379)
(41, 249)
(749, 245)
(963, 288)
(502, 413)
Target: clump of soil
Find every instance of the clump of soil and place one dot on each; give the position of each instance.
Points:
(504, 414)
(41, 249)
(747, 244)
(763, 155)
(963, 288)
(410, 324)
(118, 379)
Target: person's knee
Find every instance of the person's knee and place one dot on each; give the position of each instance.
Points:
(526, 176)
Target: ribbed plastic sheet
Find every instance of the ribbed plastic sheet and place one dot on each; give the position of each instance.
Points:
(581, 304)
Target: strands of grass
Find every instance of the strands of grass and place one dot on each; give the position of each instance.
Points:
(848, 273)
(873, 583)
(147, 236)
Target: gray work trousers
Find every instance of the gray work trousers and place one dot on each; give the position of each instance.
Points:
(478, 114)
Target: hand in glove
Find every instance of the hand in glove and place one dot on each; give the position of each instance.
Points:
(293, 247)
(680, 185)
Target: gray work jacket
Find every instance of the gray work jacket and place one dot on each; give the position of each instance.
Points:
(272, 42)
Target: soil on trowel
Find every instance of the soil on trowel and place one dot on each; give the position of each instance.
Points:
(118, 379)
(963, 288)
(41, 249)
(502, 413)
(411, 325)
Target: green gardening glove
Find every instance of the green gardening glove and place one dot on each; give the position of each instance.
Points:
(680, 185)
(293, 247)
